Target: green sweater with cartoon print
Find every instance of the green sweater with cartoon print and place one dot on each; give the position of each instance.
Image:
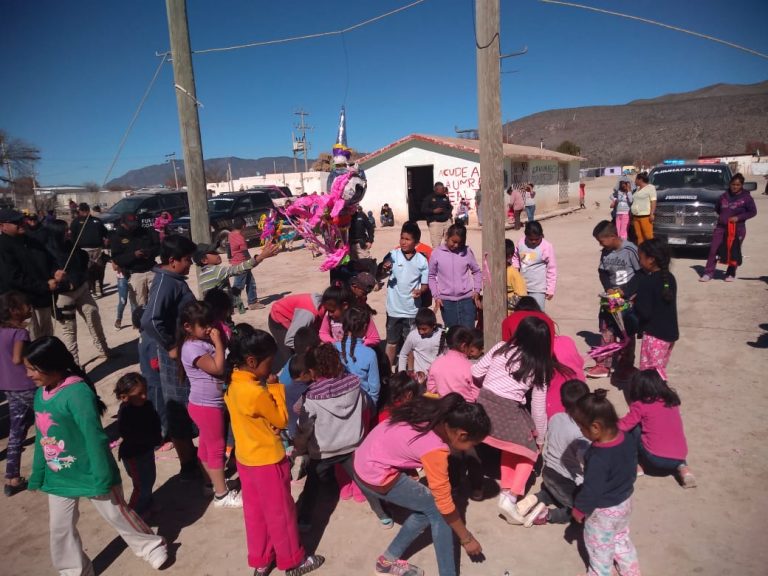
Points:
(72, 455)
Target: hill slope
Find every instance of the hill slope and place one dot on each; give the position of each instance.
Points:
(717, 119)
(215, 170)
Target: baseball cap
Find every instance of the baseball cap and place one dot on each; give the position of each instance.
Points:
(364, 280)
(202, 251)
(10, 215)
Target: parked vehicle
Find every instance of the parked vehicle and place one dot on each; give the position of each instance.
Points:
(686, 199)
(146, 206)
(279, 194)
(222, 211)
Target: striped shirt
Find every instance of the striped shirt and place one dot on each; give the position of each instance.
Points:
(217, 275)
(495, 377)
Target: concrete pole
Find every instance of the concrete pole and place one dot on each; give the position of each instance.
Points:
(189, 122)
(491, 167)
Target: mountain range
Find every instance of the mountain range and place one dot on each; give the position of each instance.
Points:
(722, 119)
(215, 170)
(716, 120)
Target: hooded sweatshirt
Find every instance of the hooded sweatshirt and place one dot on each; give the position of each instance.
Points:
(537, 266)
(454, 275)
(331, 419)
(168, 294)
(741, 205)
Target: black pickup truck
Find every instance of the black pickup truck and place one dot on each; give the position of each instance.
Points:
(249, 205)
(686, 196)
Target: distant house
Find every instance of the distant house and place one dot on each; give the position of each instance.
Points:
(743, 163)
(612, 171)
(403, 173)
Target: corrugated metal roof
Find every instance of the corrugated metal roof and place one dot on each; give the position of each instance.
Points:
(514, 151)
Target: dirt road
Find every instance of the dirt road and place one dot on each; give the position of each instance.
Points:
(714, 529)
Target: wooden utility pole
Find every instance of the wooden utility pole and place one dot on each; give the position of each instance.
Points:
(491, 167)
(189, 122)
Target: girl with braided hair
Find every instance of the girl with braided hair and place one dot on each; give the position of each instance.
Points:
(656, 305)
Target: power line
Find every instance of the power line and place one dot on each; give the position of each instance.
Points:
(656, 23)
(133, 120)
(305, 36)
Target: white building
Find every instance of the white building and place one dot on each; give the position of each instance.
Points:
(298, 182)
(404, 173)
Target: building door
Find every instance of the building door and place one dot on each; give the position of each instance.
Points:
(563, 184)
(420, 184)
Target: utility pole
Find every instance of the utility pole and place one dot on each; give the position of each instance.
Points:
(172, 159)
(189, 122)
(303, 138)
(491, 166)
(9, 168)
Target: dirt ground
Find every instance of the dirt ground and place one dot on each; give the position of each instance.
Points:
(711, 530)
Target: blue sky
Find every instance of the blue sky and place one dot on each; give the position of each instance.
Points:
(74, 72)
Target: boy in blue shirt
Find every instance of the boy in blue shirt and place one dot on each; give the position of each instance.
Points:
(408, 280)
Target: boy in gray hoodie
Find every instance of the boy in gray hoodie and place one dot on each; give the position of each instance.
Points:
(331, 425)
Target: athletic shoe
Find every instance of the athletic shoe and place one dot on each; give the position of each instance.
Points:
(232, 499)
(705, 278)
(508, 510)
(526, 504)
(386, 523)
(11, 489)
(264, 571)
(730, 278)
(534, 514)
(397, 567)
(542, 518)
(687, 479)
(310, 564)
(598, 372)
(118, 324)
(158, 557)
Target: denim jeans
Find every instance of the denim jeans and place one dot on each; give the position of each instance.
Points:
(122, 297)
(658, 464)
(22, 416)
(148, 351)
(246, 280)
(530, 211)
(142, 471)
(414, 496)
(459, 313)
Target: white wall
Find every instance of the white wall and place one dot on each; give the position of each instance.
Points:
(387, 180)
(298, 182)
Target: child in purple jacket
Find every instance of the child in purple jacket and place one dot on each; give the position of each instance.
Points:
(735, 205)
(455, 279)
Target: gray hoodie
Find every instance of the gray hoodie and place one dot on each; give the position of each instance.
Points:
(331, 418)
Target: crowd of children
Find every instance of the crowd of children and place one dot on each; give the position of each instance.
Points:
(368, 413)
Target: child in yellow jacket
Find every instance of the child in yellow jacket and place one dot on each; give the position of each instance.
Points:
(516, 288)
(256, 403)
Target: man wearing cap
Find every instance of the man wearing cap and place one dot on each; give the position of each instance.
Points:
(437, 210)
(134, 250)
(90, 234)
(26, 266)
(33, 228)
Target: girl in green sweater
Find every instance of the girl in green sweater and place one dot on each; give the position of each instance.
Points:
(73, 460)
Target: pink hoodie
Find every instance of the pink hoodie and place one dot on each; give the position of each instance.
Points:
(452, 372)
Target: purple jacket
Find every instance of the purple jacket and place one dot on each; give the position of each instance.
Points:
(741, 205)
(454, 276)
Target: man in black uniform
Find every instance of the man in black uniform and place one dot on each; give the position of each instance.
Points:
(92, 236)
(134, 250)
(437, 210)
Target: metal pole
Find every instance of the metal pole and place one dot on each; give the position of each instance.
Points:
(491, 167)
(175, 174)
(189, 122)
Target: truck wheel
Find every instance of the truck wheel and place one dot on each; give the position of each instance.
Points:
(222, 242)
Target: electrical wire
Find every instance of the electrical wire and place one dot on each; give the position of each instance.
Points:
(133, 120)
(474, 29)
(656, 23)
(305, 36)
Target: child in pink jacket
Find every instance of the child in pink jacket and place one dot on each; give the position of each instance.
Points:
(452, 372)
(535, 258)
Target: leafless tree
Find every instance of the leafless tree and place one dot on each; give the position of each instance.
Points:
(19, 155)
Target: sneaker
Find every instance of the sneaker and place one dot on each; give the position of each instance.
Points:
(598, 372)
(232, 499)
(526, 504)
(705, 278)
(13, 489)
(386, 523)
(508, 510)
(397, 567)
(687, 479)
(118, 324)
(158, 557)
(730, 278)
(542, 518)
(534, 514)
(310, 564)
(264, 571)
